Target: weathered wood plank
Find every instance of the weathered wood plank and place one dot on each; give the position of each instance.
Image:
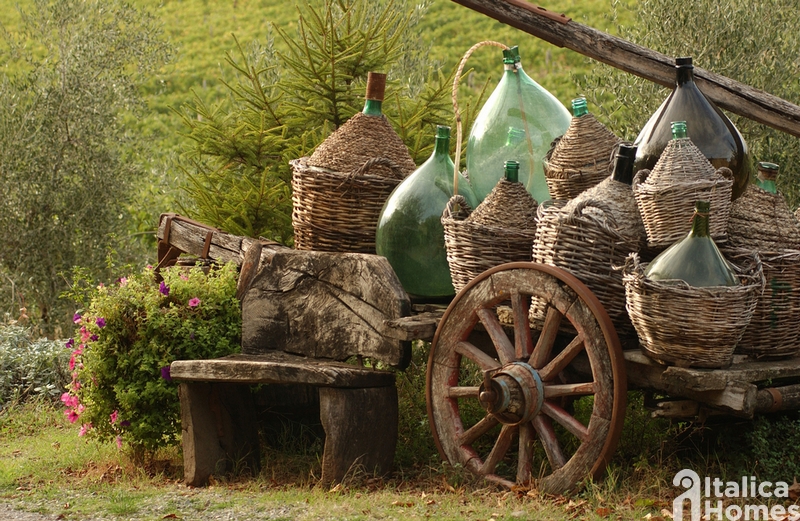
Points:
(360, 431)
(750, 371)
(325, 305)
(656, 67)
(277, 367)
(416, 327)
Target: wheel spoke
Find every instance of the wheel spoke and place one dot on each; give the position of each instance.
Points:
(566, 420)
(544, 346)
(523, 342)
(562, 360)
(463, 392)
(477, 430)
(559, 390)
(544, 428)
(499, 450)
(505, 350)
(525, 459)
(484, 361)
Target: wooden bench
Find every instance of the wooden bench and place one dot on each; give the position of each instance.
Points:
(303, 315)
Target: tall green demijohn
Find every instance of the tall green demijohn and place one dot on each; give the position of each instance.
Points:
(410, 232)
(709, 129)
(695, 259)
(519, 121)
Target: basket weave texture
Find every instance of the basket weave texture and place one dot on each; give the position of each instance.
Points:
(580, 159)
(667, 195)
(584, 239)
(762, 222)
(332, 211)
(339, 191)
(689, 326)
(501, 229)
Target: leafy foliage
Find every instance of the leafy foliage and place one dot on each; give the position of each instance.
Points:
(128, 337)
(30, 366)
(67, 161)
(284, 103)
(737, 39)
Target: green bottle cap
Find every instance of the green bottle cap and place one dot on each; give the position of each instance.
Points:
(512, 171)
(679, 130)
(579, 107)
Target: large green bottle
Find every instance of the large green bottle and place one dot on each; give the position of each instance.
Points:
(695, 259)
(709, 128)
(410, 232)
(517, 105)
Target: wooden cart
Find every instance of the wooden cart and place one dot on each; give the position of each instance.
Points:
(523, 403)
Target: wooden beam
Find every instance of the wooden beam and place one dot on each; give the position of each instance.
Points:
(659, 68)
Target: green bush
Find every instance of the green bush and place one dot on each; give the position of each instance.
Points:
(127, 338)
(30, 366)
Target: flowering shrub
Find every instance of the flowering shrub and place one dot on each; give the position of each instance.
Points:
(127, 337)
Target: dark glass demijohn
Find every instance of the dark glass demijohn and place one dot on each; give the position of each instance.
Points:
(709, 129)
(410, 232)
(695, 259)
(518, 121)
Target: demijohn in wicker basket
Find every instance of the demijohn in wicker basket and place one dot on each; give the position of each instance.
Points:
(761, 221)
(339, 191)
(689, 326)
(501, 229)
(667, 195)
(580, 159)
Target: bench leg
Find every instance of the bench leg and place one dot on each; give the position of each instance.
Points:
(360, 430)
(218, 433)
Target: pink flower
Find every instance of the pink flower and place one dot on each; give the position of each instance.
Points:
(72, 415)
(113, 416)
(85, 334)
(184, 276)
(76, 318)
(76, 385)
(193, 303)
(69, 400)
(123, 281)
(119, 442)
(84, 429)
(72, 362)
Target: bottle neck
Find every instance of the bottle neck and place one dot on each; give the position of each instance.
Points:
(441, 146)
(685, 74)
(373, 107)
(700, 227)
(767, 185)
(623, 170)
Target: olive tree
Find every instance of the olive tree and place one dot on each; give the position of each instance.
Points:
(68, 159)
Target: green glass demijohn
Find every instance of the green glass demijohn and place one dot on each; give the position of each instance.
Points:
(518, 121)
(709, 129)
(695, 259)
(410, 232)
(767, 176)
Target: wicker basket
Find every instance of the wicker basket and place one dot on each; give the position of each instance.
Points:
(667, 195)
(501, 229)
(580, 159)
(688, 326)
(761, 221)
(335, 211)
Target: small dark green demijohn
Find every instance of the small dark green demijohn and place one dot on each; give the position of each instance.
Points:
(695, 259)
(410, 232)
(767, 176)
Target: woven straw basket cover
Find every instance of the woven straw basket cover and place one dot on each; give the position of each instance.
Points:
(339, 191)
(687, 326)
(590, 236)
(762, 222)
(500, 230)
(666, 196)
(579, 159)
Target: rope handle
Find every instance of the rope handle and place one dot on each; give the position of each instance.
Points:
(456, 110)
(377, 161)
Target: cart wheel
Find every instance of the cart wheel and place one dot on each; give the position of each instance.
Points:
(499, 408)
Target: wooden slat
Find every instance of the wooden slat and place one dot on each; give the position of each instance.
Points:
(732, 95)
(279, 368)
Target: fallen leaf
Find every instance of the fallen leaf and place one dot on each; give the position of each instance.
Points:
(170, 516)
(430, 502)
(666, 513)
(603, 511)
(794, 490)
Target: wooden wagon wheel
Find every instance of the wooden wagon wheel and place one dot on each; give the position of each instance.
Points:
(483, 398)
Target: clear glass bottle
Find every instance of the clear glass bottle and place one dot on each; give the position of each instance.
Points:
(710, 130)
(767, 175)
(517, 102)
(695, 259)
(410, 232)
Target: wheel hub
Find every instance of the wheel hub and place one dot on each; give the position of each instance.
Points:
(514, 394)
